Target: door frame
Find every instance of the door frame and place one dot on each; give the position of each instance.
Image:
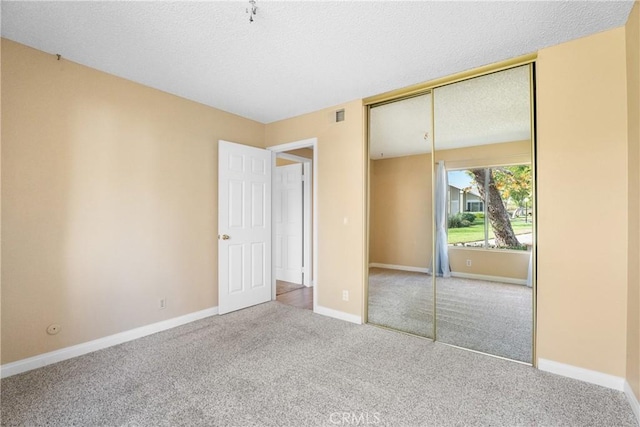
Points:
(278, 151)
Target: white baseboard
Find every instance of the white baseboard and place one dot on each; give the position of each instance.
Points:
(489, 278)
(329, 312)
(399, 267)
(582, 374)
(633, 400)
(45, 359)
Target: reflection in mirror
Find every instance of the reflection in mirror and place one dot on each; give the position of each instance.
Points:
(483, 145)
(400, 291)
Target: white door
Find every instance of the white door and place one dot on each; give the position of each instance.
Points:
(288, 211)
(244, 226)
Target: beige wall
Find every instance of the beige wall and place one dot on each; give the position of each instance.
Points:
(488, 262)
(633, 259)
(284, 162)
(302, 152)
(400, 211)
(341, 199)
(582, 157)
(307, 153)
(108, 202)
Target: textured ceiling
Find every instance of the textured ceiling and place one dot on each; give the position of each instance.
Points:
(299, 56)
(486, 110)
(400, 128)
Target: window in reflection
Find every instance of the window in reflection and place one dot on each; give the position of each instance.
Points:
(504, 222)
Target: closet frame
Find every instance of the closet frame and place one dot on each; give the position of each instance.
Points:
(428, 88)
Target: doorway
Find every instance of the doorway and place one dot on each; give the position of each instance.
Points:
(293, 224)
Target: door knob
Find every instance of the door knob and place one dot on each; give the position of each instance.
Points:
(224, 237)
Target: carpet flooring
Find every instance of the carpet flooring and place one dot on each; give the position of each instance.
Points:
(401, 300)
(491, 317)
(275, 365)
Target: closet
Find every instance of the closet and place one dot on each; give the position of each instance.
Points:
(452, 213)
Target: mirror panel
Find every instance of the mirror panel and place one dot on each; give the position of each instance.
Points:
(483, 148)
(400, 292)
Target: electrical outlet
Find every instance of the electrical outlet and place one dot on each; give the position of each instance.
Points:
(345, 295)
(468, 263)
(53, 329)
(162, 303)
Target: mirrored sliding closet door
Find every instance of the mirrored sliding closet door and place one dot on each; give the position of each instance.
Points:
(452, 192)
(483, 155)
(400, 294)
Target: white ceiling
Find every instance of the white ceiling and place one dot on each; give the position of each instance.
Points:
(298, 56)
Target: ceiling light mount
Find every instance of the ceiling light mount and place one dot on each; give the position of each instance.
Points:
(252, 10)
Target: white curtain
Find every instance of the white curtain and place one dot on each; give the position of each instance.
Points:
(442, 246)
